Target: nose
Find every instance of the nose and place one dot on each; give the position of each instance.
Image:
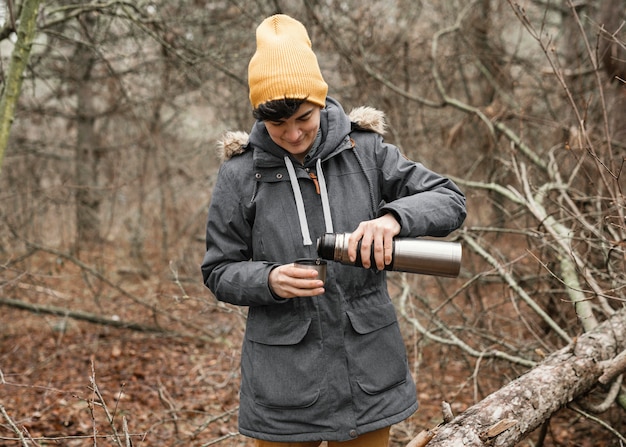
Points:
(292, 133)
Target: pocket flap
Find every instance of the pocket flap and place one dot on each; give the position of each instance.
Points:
(277, 332)
(370, 319)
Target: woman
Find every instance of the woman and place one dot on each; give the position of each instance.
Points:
(320, 361)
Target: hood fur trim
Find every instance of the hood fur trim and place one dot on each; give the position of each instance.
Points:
(365, 118)
(369, 118)
(231, 144)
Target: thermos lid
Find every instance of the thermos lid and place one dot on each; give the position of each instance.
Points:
(326, 246)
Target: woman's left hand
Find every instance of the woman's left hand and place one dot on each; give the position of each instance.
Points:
(377, 233)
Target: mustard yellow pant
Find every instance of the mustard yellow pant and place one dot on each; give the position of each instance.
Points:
(378, 438)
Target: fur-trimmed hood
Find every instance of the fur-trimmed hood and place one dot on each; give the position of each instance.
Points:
(363, 118)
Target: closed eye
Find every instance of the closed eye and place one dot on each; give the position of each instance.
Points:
(304, 117)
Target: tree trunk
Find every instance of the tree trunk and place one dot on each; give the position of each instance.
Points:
(19, 60)
(613, 56)
(510, 414)
(88, 194)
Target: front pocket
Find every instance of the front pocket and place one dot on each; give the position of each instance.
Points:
(285, 361)
(376, 349)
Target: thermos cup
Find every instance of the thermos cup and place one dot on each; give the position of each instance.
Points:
(313, 264)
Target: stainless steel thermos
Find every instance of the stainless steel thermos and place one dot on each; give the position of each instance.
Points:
(412, 255)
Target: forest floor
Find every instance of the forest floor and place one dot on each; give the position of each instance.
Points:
(66, 382)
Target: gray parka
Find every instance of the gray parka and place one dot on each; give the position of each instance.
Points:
(333, 366)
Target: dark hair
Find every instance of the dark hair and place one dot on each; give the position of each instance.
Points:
(278, 109)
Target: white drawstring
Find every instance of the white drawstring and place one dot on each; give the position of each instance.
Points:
(328, 220)
(304, 227)
(295, 186)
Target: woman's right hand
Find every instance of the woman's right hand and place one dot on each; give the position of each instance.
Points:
(289, 281)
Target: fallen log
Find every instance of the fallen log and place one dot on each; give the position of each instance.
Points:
(81, 315)
(507, 416)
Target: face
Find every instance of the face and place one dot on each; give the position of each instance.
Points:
(297, 133)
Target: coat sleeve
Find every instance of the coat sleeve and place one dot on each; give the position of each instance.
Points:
(227, 268)
(424, 202)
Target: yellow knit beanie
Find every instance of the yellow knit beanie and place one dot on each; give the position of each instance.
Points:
(284, 65)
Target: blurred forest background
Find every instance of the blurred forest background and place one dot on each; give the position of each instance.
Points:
(107, 334)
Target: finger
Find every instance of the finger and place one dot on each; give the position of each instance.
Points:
(366, 251)
(305, 289)
(353, 243)
(302, 281)
(299, 272)
(379, 251)
(306, 284)
(388, 249)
